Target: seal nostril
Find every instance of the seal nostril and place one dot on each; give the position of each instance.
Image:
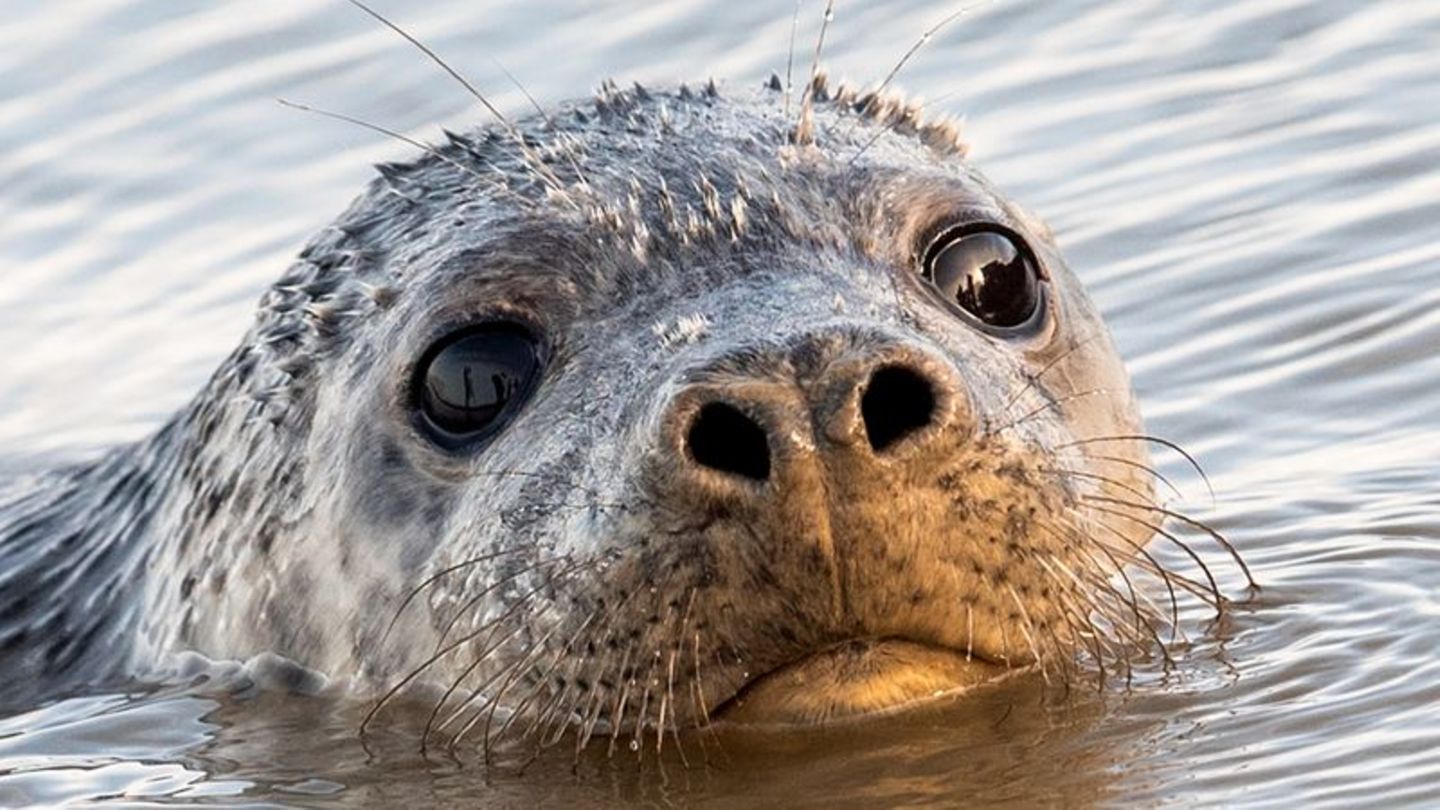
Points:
(722, 438)
(896, 403)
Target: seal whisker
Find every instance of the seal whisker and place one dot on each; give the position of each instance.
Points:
(643, 712)
(805, 128)
(416, 672)
(487, 648)
(543, 710)
(1145, 561)
(549, 120)
(1136, 595)
(1149, 563)
(623, 674)
(1025, 624)
(432, 727)
(465, 609)
(674, 727)
(924, 39)
(1145, 468)
(1051, 405)
(534, 161)
(1032, 380)
(1140, 437)
(1186, 519)
(703, 724)
(622, 700)
(675, 644)
(1145, 612)
(1104, 479)
(1066, 650)
(664, 703)
(436, 577)
(1005, 647)
(1130, 599)
(492, 626)
(1124, 644)
(1081, 591)
(506, 676)
(427, 148)
(535, 105)
(554, 716)
(538, 726)
(542, 680)
(790, 56)
(969, 632)
(1073, 616)
(589, 715)
(1219, 598)
(592, 715)
(431, 724)
(536, 688)
(492, 703)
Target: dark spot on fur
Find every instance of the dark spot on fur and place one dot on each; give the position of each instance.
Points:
(13, 641)
(16, 609)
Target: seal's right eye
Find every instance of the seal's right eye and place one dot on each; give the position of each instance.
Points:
(471, 383)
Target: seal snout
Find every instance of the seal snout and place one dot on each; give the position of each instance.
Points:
(740, 428)
(860, 541)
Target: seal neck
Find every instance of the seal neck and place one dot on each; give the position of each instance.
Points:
(73, 548)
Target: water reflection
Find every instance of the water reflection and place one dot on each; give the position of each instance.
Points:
(1014, 745)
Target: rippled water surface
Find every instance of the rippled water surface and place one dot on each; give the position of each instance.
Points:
(1251, 190)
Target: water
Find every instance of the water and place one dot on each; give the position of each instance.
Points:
(1250, 190)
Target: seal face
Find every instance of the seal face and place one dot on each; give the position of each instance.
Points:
(654, 408)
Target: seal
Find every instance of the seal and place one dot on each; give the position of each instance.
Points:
(659, 407)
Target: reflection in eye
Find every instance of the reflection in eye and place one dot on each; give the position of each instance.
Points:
(457, 407)
(989, 275)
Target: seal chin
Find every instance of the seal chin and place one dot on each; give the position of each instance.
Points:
(857, 678)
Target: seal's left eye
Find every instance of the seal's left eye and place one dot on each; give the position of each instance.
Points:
(988, 273)
(470, 384)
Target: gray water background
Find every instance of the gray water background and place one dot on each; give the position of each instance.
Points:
(1251, 191)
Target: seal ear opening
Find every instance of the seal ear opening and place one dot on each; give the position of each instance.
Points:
(897, 402)
(725, 439)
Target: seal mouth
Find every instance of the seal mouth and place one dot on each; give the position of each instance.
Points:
(857, 678)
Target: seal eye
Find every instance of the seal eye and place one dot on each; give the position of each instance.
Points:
(988, 273)
(472, 382)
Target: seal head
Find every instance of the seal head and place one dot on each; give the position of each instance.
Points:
(653, 409)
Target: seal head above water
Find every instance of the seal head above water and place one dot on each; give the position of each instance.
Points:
(652, 408)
